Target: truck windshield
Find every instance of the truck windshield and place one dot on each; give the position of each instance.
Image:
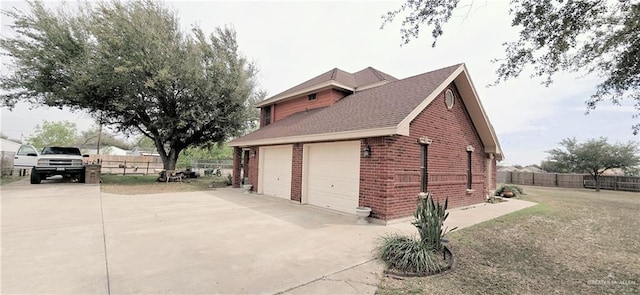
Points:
(61, 151)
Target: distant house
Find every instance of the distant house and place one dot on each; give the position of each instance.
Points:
(144, 152)
(107, 150)
(342, 140)
(8, 149)
(9, 145)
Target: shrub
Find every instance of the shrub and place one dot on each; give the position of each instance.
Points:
(517, 191)
(407, 254)
(421, 256)
(430, 217)
(229, 180)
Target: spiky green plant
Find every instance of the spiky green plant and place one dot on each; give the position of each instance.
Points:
(430, 216)
(413, 255)
(407, 254)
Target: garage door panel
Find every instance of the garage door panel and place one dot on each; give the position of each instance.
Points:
(333, 175)
(276, 171)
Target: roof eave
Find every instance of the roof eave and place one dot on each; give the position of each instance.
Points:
(334, 136)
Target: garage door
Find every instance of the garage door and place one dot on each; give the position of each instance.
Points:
(332, 175)
(275, 172)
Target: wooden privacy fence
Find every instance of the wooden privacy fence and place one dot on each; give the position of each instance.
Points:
(618, 183)
(622, 183)
(541, 179)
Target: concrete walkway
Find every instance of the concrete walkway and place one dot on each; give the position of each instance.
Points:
(363, 278)
(69, 238)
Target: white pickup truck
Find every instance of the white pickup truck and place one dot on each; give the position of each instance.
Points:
(65, 161)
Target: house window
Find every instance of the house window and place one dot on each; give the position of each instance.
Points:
(469, 175)
(424, 156)
(311, 97)
(267, 115)
(449, 98)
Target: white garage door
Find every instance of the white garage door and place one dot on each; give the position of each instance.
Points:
(275, 172)
(332, 175)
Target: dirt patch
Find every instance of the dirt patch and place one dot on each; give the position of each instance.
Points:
(148, 185)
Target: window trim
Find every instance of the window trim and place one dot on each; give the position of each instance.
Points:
(470, 150)
(312, 97)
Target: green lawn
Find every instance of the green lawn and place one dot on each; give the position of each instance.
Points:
(572, 242)
(140, 184)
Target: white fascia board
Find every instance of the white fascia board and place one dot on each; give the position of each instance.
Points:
(305, 90)
(386, 131)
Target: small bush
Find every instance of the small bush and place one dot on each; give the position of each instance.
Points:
(407, 254)
(430, 216)
(517, 191)
(419, 256)
(228, 180)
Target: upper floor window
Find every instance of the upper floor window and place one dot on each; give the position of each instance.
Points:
(311, 97)
(267, 115)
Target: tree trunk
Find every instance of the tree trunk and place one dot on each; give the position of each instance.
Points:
(597, 176)
(170, 160)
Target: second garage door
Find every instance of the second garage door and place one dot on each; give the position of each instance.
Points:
(331, 175)
(275, 171)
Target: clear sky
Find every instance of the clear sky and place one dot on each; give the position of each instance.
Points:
(294, 41)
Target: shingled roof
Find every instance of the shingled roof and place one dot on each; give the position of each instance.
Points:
(384, 110)
(335, 78)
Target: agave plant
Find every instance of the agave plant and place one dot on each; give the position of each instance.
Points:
(409, 254)
(430, 216)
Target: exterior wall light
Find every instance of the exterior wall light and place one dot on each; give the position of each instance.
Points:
(367, 151)
(252, 153)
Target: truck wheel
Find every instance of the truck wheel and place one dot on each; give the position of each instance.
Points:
(81, 176)
(35, 177)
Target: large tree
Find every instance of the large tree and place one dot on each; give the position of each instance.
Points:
(587, 36)
(63, 133)
(132, 66)
(594, 156)
(98, 137)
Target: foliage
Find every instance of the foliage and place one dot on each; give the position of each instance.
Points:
(228, 180)
(494, 200)
(407, 254)
(63, 133)
(94, 134)
(594, 156)
(131, 66)
(419, 256)
(213, 152)
(430, 217)
(593, 36)
(517, 190)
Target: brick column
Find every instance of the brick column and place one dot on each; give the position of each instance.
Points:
(296, 173)
(235, 177)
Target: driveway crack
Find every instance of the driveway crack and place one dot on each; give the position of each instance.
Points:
(104, 243)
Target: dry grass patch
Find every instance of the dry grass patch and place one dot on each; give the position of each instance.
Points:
(139, 185)
(573, 241)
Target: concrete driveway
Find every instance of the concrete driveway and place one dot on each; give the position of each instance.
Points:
(69, 238)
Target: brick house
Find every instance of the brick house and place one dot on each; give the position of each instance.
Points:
(343, 140)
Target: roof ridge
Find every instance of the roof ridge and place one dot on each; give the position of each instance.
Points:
(334, 73)
(375, 72)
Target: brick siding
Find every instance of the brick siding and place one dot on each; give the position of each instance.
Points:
(299, 104)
